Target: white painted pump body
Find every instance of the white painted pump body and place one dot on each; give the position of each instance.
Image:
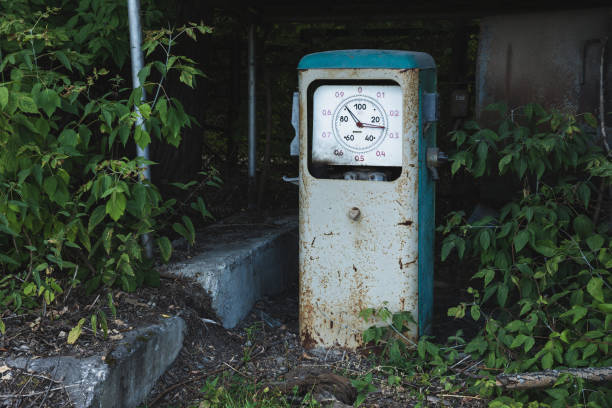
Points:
(347, 264)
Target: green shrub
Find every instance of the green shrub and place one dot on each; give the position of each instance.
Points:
(544, 262)
(543, 289)
(73, 206)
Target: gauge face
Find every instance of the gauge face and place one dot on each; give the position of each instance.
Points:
(357, 125)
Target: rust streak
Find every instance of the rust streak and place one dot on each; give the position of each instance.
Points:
(401, 264)
(313, 241)
(406, 223)
(411, 262)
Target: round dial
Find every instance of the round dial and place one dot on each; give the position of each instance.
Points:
(357, 125)
(360, 123)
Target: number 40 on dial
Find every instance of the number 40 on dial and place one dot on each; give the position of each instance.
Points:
(357, 125)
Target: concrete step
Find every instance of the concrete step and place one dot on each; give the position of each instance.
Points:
(238, 263)
(120, 379)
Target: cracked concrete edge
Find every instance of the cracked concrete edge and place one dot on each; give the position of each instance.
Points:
(126, 375)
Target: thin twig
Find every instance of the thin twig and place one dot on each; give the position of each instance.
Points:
(238, 372)
(70, 287)
(161, 80)
(459, 396)
(33, 394)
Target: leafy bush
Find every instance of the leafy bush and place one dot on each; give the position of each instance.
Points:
(544, 299)
(74, 207)
(544, 261)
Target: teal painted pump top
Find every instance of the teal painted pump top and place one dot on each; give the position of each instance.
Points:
(367, 59)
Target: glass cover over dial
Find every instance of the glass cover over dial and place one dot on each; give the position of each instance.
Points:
(357, 125)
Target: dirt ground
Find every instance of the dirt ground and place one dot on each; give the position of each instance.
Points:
(264, 349)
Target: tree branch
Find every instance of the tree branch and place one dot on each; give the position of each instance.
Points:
(542, 379)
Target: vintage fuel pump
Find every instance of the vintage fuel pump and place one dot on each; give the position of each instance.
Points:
(367, 162)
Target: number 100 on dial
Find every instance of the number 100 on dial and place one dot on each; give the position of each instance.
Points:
(357, 125)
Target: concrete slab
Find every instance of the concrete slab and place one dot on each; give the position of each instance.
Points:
(237, 264)
(123, 377)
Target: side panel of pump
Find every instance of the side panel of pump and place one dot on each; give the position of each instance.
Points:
(346, 264)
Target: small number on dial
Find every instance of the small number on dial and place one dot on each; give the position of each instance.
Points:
(343, 118)
(326, 135)
(349, 137)
(393, 113)
(339, 94)
(393, 135)
(326, 112)
(359, 157)
(370, 138)
(380, 153)
(338, 152)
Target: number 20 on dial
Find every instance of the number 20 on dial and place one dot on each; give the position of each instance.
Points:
(357, 125)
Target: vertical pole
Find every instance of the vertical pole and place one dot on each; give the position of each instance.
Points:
(137, 64)
(252, 129)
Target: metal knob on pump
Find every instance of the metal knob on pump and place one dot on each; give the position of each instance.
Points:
(435, 157)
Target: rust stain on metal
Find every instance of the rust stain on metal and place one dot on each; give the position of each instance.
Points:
(412, 262)
(328, 233)
(406, 223)
(313, 241)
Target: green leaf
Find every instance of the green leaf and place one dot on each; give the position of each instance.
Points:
(583, 226)
(447, 246)
(4, 97)
(504, 162)
(48, 100)
(97, 215)
(68, 137)
(187, 222)
(547, 361)
(489, 274)
(584, 192)
(180, 229)
(94, 324)
(589, 351)
(4, 259)
(27, 105)
(485, 239)
(50, 186)
(165, 248)
(518, 341)
(141, 137)
(144, 74)
(590, 120)
(594, 287)
(502, 294)
(75, 332)
(529, 343)
(605, 307)
(63, 59)
(115, 206)
(475, 312)
(520, 240)
(595, 242)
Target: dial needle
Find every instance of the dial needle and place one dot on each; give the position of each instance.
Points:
(359, 124)
(367, 125)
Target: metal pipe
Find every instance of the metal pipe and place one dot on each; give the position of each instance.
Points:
(252, 128)
(137, 64)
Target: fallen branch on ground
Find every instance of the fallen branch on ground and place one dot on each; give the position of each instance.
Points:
(541, 379)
